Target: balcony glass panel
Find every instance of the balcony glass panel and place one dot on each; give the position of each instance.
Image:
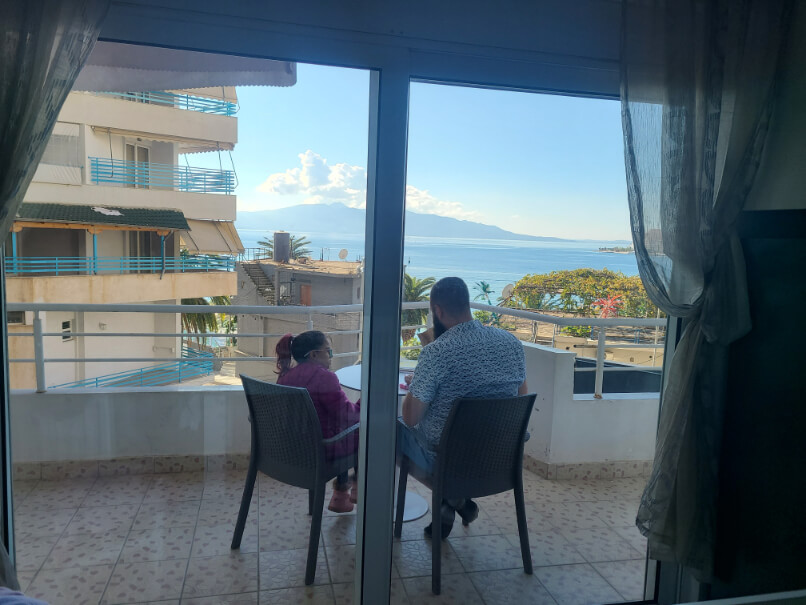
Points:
(142, 418)
(505, 170)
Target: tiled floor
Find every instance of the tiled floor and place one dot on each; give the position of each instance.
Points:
(165, 538)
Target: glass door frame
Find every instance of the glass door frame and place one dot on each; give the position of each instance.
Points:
(392, 68)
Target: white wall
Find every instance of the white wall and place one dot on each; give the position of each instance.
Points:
(145, 348)
(55, 347)
(110, 244)
(97, 424)
(567, 428)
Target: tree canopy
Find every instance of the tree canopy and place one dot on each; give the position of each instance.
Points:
(414, 290)
(577, 291)
(200, 323)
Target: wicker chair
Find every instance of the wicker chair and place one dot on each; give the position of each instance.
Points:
(287, 445)
(480, 454)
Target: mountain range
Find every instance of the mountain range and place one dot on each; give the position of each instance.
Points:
(338, 218)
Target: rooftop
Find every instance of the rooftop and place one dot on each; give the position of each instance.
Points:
(336, 268)
(153, 218)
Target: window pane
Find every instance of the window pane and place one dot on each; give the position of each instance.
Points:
(517, 240)
(134, 463)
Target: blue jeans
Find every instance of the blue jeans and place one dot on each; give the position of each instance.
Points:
(408, 444)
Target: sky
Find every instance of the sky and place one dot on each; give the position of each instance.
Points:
(529, 163)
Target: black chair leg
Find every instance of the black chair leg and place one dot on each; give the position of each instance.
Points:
(246, 500)
(401, 495)
(310, 502)
(523, 532)
(436, 542)
(316, 530)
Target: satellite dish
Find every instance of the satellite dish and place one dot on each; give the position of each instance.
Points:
(507, 291)
(343, 253)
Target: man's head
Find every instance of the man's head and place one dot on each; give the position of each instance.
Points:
(450, 304)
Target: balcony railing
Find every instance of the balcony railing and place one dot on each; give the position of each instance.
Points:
(178, 101)
(619, 328)
(193, 364)
(66, 265)
(162, 176)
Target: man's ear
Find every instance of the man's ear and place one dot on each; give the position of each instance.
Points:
(436, 311)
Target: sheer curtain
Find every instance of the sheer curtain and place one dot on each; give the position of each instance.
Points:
(44, 45)
(697, 84)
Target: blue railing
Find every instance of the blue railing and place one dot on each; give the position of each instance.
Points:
(66, 265)
(179, 101)
(194, 363)
(164, 176)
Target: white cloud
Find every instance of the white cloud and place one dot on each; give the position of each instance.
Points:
(322, 183)
(419, 200)
(319, 181)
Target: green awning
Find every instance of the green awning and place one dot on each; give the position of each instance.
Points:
(150, 218)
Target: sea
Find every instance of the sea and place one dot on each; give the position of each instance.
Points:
(497, 262)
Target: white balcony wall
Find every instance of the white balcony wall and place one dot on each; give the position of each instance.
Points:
(576, 429)
(90, 424)
(98, 424)
(202, 206)
(65, 175)
(149, 119)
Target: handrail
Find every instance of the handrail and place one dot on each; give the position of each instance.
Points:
(178, 101)
(162, 176)
(197, 363)
(603, 324)
(59, 265)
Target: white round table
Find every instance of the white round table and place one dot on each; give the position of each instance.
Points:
(350, 378)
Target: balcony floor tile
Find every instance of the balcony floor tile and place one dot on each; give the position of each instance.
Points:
(158, 538)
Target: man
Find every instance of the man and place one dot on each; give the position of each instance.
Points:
(466, 359)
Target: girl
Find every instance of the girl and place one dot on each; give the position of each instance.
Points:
(312, 353)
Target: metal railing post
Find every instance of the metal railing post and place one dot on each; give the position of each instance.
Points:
(600, 358)
(39, 353)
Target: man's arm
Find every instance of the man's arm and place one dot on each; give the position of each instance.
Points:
(413, 409)
(523, 389)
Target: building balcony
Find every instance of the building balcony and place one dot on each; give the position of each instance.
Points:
(56, 265)
(184, 101)
(147, 175)
(149, 481)
(194, 130)
(116, 287)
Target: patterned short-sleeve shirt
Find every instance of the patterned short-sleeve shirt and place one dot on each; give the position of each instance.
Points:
(469, 360)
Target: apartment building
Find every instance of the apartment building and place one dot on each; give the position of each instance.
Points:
(117, 213)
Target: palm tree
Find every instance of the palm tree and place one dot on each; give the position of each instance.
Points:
(485, 291)
(199, 323)
(414, 290)
(298, 244)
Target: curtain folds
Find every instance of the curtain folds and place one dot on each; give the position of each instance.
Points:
(44, 45)
(697, 88)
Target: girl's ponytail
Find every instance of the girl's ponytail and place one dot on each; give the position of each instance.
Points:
(283, 352)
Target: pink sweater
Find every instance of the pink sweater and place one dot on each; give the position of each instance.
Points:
(335, 411)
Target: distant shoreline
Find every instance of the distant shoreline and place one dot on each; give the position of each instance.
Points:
(618, 250)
